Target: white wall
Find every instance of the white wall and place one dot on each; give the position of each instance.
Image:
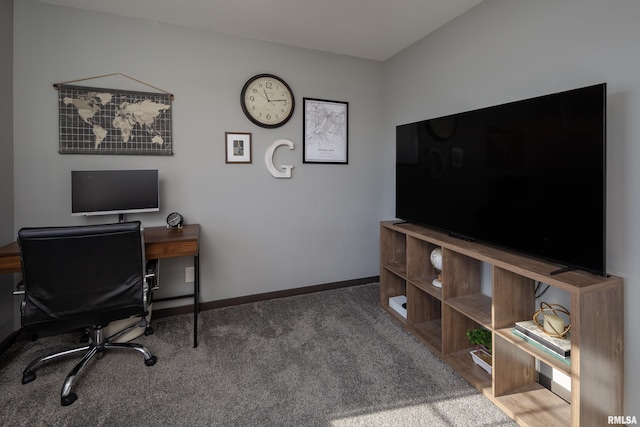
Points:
(505, 50)
(259, 234)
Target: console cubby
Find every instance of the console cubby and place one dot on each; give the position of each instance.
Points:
(420, 271)
(396, 285)
(424, 316)
(515, 386)
(394, 252)
(456, 323)
(440, 318)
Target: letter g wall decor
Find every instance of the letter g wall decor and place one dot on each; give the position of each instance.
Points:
(268, 159)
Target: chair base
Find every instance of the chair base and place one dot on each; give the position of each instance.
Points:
(98, 346)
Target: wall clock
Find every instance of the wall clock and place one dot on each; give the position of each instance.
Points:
(267, 100)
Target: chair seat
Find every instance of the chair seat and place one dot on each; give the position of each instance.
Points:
(87, 320)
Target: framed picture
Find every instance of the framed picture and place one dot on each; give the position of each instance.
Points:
(326, 131)
(237, 147)
(112, 121)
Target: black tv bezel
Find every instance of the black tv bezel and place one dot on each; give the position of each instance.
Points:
(563, 265)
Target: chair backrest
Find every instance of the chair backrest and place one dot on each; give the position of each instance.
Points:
(81, 276)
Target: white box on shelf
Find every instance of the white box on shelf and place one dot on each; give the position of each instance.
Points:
(482, 359)
(396, 304)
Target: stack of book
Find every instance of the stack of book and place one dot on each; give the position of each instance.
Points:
(531, 332)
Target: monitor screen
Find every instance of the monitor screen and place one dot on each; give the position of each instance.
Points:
(529, 175)
(104, 192)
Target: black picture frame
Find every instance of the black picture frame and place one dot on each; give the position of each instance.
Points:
(325, 131)
(237, 147)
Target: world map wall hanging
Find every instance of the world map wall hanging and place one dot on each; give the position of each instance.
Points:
(112, 121)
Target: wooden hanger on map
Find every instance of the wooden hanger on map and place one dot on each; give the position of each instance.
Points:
(56, 85)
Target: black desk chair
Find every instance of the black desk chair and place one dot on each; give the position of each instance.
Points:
(83, 277)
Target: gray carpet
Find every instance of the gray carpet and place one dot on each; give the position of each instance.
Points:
(330, 358)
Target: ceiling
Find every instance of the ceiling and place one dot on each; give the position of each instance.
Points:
(370, 29)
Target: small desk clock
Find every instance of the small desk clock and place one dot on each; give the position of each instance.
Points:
(174, 220)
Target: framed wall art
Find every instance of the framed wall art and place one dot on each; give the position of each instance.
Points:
(326, 131)
(112, 121)
(238, 147)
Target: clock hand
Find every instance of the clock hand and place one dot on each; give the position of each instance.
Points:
(265, 96)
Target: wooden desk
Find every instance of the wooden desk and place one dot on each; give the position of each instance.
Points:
(10, 258)
(159, 242)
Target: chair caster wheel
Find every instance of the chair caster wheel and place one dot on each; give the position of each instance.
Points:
(68, 399)
(148, 331)
(151, 361)
(28, 376)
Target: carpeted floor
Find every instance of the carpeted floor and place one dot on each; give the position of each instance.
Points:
(330, 358)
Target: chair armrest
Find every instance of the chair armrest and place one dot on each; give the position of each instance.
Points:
(19, 288)
(151, 274)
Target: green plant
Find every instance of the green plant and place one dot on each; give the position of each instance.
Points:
(480, 337)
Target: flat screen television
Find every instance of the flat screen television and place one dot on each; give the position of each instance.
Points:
(105, 192)
(528, 175)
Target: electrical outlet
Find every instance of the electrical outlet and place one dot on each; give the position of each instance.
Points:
(189, 274)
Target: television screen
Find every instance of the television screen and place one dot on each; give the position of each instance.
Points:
(103, 192)
(528, 175)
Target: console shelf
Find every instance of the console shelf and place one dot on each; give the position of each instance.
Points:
(440, 317)
(475, 306)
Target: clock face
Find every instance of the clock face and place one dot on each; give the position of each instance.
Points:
(267, 100)
(174, 219)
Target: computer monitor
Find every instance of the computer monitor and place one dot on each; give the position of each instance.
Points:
(106, 192)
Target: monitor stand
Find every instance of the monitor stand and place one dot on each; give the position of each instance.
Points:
(561, 270)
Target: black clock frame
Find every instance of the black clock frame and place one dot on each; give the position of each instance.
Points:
(253, 119)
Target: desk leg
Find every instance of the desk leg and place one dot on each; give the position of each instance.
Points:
(196, 299)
